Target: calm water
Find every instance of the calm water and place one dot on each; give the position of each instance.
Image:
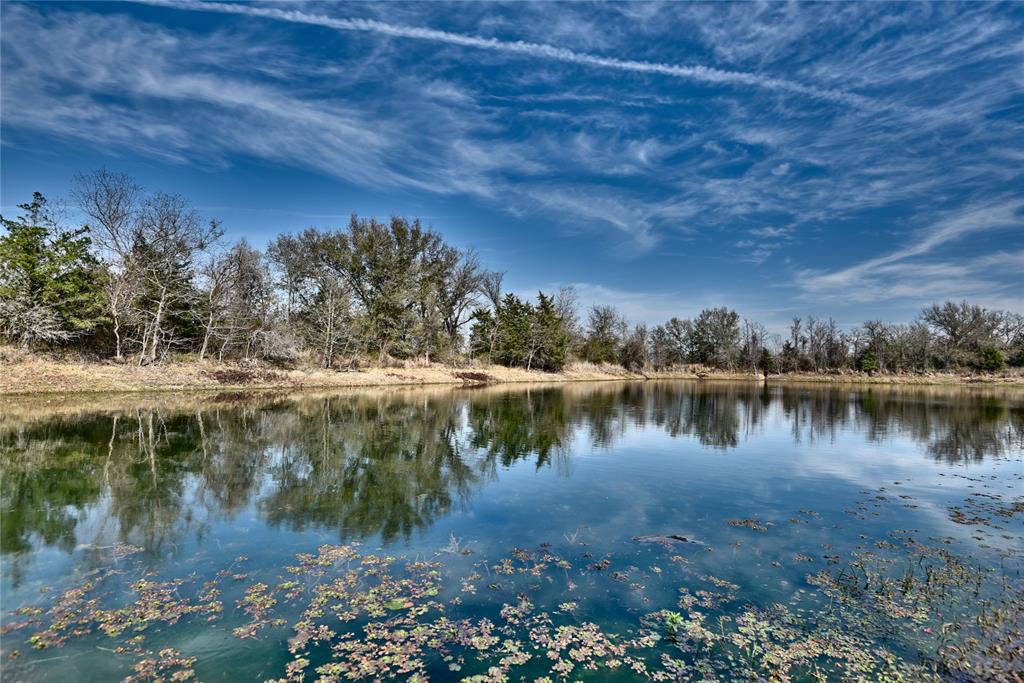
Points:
(661, 530)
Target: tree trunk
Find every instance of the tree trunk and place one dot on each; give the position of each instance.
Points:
(156, 326)
(117, 337)
(206, 337)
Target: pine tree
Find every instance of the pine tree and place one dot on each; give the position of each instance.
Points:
(50, 285)
(550, 336)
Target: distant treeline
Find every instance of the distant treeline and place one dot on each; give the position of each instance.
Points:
(147, 279)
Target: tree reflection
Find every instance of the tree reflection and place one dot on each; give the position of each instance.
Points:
(365, 466)
(387, 464)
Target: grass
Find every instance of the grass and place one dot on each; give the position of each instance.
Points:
(36, 373)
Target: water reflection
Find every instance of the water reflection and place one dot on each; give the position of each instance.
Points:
(389, 463)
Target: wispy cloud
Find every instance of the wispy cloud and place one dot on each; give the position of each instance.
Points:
(701, 73)
(129, 88)
(731, 126)
(901, 274)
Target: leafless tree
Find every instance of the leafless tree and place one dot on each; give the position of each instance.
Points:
(111, 202)
(166, 241)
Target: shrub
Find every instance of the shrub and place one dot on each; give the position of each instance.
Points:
(237, 376)
(868, 363)
(990, 358)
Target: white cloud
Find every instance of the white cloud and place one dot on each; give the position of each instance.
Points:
(1006, 214)
(590, 150)
(903, 275)
(700, 73)
(771, 232)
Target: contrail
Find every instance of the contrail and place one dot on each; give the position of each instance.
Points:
(704, 74)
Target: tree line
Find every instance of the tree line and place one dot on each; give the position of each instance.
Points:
(146, 279)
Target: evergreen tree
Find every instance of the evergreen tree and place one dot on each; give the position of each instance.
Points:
(514, 320)
(551, 336)
(50, 286)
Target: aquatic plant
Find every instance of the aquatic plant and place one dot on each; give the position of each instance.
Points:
(895, 608)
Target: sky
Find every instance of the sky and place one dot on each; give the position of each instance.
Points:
(858, 160)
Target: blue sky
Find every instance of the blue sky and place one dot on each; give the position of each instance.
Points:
(858, 160)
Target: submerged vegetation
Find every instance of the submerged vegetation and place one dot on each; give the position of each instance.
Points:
(897, 609)
(146, 279)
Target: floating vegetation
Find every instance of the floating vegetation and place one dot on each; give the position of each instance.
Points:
(986, 509)
(752, 524)
(899, 609)
(805, 596)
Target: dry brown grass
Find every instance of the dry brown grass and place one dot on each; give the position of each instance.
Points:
(25, 374)
(30, 374)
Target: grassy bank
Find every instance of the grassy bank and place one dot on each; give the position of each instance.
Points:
(29, 374)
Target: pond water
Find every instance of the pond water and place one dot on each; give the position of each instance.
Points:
(605, 531)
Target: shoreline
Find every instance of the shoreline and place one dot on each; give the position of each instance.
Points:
(43, 376)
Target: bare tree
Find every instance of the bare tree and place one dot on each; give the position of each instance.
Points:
(215, 278)
(111, 202)
(166, 242)
(460, 278)
(754, 336)
(491, 286)
(962, 328)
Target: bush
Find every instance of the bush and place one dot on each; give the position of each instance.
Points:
(238, 376)
(478, 377)
(990, 358)
(868, 364)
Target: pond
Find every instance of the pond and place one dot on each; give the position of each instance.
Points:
(597, 531)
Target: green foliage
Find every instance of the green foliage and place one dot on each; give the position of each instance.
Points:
(715, 339)
(50, 286)
(519, 334)
(990, 358)
(868, 363)
(605, 332)
(549, 336)
(394, 289)
(161, 281)
(514, 321)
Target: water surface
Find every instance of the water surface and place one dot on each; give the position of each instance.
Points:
(665, 530)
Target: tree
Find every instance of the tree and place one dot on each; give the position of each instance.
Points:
(680, 337)
(166, 242)
(388, 270)
(766, 362)
(216, 277)
(549, 336)
(963, 329)
(605, 331)
(874, 346)
(660, 348)
(237, 300)
(318, 299)
(111, 202)
(633, 351)
(716, 337)
(291, 258)
(868, 363)
(458, 280)
(514, 345)
(518, 334)
(483, 335)
(1012, 334)
(754, 336)
(50, 285)
(990, 358)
